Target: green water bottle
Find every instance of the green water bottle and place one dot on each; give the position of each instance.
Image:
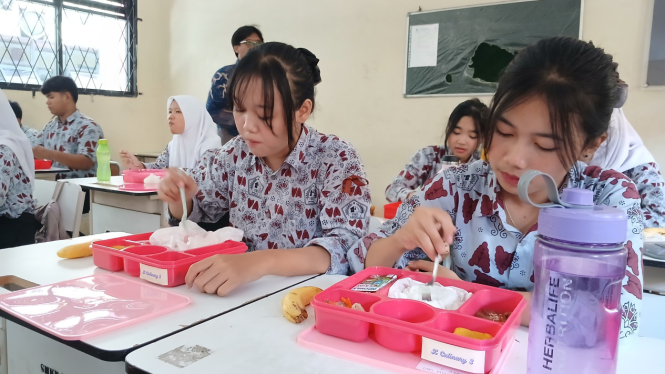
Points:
(103, 161)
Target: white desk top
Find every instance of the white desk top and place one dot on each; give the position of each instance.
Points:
(236, 337)
(111, 186)
(51, 170)
(38, 263)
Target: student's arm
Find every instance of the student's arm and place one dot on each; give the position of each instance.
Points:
(651, 188)
(162, 161)
(74, 162)
(413, 176)
(415, 232)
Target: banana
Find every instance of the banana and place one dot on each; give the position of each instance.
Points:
(294, 303)
(76, 250)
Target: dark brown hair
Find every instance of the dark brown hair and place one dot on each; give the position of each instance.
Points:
(576, 79)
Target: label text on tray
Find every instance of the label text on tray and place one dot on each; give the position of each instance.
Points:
(452, 356)
(154, 275)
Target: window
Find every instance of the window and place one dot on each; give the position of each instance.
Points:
(91, 41)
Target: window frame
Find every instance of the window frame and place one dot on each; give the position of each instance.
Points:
(132, 41)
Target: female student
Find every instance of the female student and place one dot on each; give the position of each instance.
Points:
(193, 131)
(17, 177)
(552, 107)
(624, 151)
(462, 138)
(300, 196)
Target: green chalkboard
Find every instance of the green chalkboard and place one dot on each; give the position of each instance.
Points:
(475, 44)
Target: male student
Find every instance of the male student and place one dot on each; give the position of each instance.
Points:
(244, 39)
(32, 134)
(70, 139)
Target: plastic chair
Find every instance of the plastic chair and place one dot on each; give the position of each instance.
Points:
(70, 200)
(115, 169)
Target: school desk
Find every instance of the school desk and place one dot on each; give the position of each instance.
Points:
(258, 339)
(113, 209)
(148, 156)
(30, 350)
(49, 174)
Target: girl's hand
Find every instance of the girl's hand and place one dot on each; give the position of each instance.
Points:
(428, 267)
(169, 187)
(431, 229)
(129, 161)
(221, 274)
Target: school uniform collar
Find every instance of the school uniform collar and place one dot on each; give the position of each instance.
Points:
(490, 198)
(71, 118)
(297, 155)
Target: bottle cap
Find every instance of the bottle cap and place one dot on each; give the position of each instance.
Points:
(103, 142)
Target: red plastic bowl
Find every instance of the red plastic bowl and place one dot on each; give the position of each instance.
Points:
(43, 164)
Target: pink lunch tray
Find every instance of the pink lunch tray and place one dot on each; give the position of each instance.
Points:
(372, 353)
(81, 308)
(400, 324)
(153, 263)
(137, 176)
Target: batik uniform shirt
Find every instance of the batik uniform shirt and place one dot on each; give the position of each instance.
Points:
(78, 135)
(424, 166)
(318, 197)
(15, 186)
(32, 134)
(489, 251)
(162, 162)
(651, 186)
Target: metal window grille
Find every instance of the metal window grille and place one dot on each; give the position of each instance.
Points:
(91, 41)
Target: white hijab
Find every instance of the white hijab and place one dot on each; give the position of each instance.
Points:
(13, 137)
(199, 136)
(623, 149)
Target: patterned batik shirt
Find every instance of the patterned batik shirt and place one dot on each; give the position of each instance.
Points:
(650, 185)
(490, 251)
(78, 135)
(32, 134)
(15, 186)
(162, 162)
(318, 197)
(424, 166)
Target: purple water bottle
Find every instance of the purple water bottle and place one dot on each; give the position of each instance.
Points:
(579, 263)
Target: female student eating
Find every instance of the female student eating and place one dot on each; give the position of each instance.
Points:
(462, 139)
(17, 178)
(552, 107)
(301, 197)
(193, 131)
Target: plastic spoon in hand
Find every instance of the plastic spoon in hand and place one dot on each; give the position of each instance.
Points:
(427, 289)
(183, 224)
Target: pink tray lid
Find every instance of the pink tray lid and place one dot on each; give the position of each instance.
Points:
(80, 308)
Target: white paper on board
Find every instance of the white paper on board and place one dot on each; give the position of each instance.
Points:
(423, 45)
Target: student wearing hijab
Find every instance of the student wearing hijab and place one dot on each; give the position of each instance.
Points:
(624, 151)
(17, 177)
(193, 131)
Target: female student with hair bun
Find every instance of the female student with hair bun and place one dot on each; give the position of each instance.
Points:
(301, 197)
(193, 131)
(462, 138)
(552, 108)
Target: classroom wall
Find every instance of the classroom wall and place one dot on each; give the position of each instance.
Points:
(133, 123)
(361, 45)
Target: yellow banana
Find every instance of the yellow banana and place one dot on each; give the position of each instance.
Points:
(76, 250)
(294, 303)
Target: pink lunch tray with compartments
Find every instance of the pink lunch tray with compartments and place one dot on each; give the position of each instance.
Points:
(401, 325)
(155, 264)
(138, 176)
